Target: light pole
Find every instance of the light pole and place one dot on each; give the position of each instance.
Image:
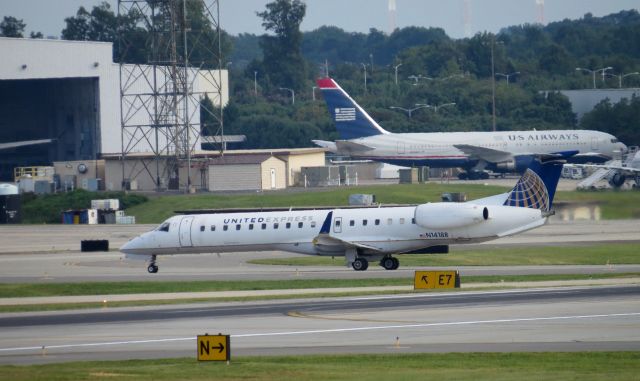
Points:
(435, 108)
(493, 85)
(620, 76)
(313, 92)
(507, 76)
(293, 94)
(396, 70)
(255, 83)
(365, 76)
(593, 73)
(409, 111)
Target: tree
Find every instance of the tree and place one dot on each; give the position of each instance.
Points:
(12, 27)
(283, 60)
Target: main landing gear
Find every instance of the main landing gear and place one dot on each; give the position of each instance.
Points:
(390, 263)
(360, 264)
(152, 268)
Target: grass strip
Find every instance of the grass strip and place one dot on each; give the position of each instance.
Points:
(14, 290)
(602, 254)
(584, 366)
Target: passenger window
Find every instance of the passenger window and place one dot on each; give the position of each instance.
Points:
(352, 223)
(389, 221)
(313, 224)
(213, 228)
(288, 225)
(364, 222)
(164, 227)
(401, 221)
(337, 223)
(250, 226)
(413, 221)
(300, 224)
(275, 226)
(202, 228)
(264, 226)
(377, 221)
(225, 227)
(238, 227)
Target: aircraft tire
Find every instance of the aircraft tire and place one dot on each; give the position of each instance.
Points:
(396, 263)
(152, 269)
(388, 263)
(360, 264)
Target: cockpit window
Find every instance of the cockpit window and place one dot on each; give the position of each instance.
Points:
(164, 227)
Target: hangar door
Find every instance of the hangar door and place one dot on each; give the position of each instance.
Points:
(232, 177)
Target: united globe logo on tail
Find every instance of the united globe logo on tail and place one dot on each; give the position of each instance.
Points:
(529, 192)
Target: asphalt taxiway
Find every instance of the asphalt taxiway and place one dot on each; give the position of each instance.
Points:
(564, 319)
(40, 254)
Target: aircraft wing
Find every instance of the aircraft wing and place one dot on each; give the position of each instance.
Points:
(327, 241)
(592, 155)
(347, 146)
(487, 154)
(331, 146)
(24, 143)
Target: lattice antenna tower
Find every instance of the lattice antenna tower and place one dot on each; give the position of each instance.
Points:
(392, 16)
(466, 18)
(169, 63)
(540, 11)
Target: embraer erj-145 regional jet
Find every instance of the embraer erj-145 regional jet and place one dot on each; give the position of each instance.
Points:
(361, 234)
(502, 151)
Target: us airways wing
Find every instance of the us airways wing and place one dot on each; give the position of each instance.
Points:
(487, 154)
(347, 146)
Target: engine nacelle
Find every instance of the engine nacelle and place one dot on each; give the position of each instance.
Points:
(507, 165)
(446, 215)
(617, 180)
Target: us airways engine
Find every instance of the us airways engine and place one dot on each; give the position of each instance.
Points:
(446, 215)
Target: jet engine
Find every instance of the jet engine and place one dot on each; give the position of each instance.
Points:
(446, 215)
(507, 165)
(616, 180)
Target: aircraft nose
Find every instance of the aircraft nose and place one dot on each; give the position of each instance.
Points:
(132, 246)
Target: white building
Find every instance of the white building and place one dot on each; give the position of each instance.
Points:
(69, 91)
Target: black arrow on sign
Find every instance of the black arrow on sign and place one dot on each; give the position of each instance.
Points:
(220, 348)
(424, 279)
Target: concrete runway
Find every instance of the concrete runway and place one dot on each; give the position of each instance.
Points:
(32, 253)
(566, 319)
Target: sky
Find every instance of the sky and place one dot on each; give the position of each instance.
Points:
(239, 16)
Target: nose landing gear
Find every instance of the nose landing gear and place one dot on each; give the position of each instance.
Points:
(152, 268)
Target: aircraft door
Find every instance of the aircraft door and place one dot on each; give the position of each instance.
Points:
(337, 225)
(594, 144)
(185, 231)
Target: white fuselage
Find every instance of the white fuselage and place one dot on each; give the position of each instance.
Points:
(437, 149)
(372, 231)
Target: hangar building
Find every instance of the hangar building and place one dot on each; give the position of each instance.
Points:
(68, 91)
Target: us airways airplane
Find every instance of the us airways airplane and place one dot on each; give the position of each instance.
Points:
(502, 151)
(359, 234)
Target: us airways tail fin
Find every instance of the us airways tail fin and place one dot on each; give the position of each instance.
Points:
(351, 120)
(537, 186)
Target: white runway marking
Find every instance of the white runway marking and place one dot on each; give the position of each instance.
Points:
(318, 331)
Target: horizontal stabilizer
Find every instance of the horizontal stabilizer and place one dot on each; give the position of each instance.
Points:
(487, 154)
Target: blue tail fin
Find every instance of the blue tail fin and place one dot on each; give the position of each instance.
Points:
(351, 120)
(537, 186)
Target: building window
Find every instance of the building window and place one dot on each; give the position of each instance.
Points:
(300, 224)
(201, 228)
(225, 227)
(213, 228)
(288, 225)
(238, 227)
